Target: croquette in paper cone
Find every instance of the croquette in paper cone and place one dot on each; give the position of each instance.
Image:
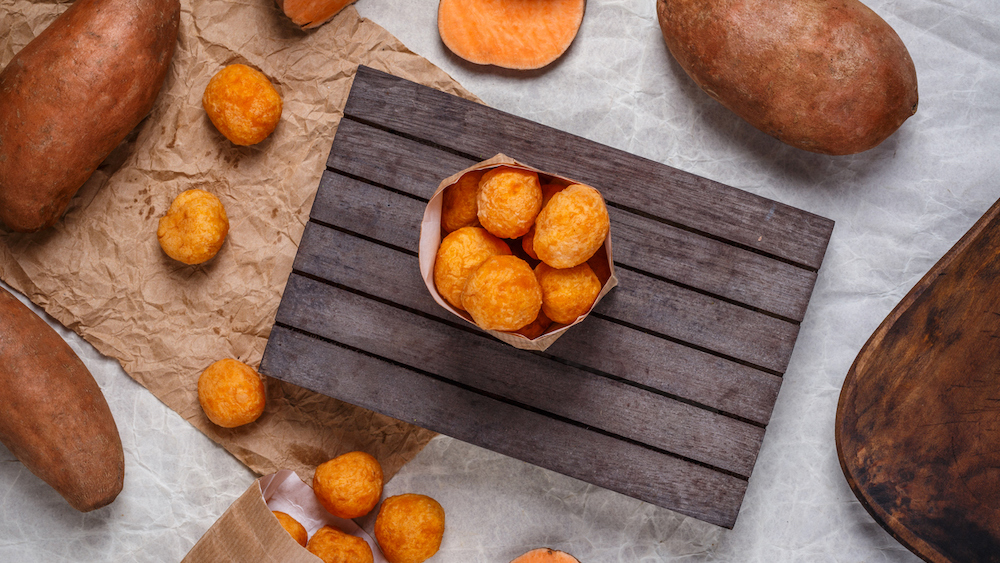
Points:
(449, 259)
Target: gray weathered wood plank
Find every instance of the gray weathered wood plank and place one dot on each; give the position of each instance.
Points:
(686, 258)
(700, 320)
(485, 365)
(663, 393)
(639, 301)
(677, 196)
(598, 343)
(530, 436)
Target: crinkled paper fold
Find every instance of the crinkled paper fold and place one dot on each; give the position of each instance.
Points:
(101, 271)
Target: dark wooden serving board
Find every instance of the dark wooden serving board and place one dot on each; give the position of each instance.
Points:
(918, 423)
(663, 393)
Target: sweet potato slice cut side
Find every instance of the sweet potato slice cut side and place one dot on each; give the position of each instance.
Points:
(545, 555)
(515, 34)
(312, 13)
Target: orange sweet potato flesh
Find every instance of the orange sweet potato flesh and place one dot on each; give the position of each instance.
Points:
(71, 95)
(826, 76)
(55, 418)
(545, 555)
(312, 13)
(514, 34)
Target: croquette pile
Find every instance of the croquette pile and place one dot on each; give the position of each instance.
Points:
(517, 248)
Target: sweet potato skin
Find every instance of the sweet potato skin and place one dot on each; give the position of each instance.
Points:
(55, 418)
(72, 95)
(827, 76)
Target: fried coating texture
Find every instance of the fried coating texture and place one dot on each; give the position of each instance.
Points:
(231, 393)
(194, 228)
(528, 243)
(292, 526)
(458, 204)
(460, 254)
(509, 200)
(409, 528)
(334, 546)
(567, 293)
(349, 485)
(537, 327)
(550, 189)
(242, 104)
(502, 294)
(571, 228)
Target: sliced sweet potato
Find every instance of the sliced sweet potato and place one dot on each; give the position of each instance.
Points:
(312, 13)
(515, 34)
(55, 418)
(545, 555)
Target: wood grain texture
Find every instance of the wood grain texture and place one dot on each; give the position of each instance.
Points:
(688, 315)
(597, 458)
(918, 421)
(662, 393)
(708, 379)
(638, 183)
(640, 241)
(478, 362)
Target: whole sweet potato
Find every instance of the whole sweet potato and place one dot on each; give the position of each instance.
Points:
(72, 95)
(827, 76)
(54, 417)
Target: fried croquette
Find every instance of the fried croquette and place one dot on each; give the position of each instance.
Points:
(242, 104)
(292, 526)
(349, 485)
(571, 228)
(528, 243)
(550, 189)
(458, 203)
(537, 327)
(502, 294)
(459, 254)
(567, 293)
(334, 546)
(194, 228)
(231, 393)
(509, 199)
(409, 528)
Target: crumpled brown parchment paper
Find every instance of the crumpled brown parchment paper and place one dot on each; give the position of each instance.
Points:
(101, 272)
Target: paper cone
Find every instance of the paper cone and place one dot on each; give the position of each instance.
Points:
(431, 235)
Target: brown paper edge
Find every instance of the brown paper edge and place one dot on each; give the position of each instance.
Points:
(247, 531)
(430, 239)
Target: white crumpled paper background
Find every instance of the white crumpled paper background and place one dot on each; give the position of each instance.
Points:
(898, 208)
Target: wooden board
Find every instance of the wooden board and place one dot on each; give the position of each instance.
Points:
(663, 393)
(918, 423)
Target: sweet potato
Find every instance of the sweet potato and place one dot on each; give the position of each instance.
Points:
(55, 418)
(312, 13)
(827, 76)
(515, 34)
(72, 95)
(545, 555)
